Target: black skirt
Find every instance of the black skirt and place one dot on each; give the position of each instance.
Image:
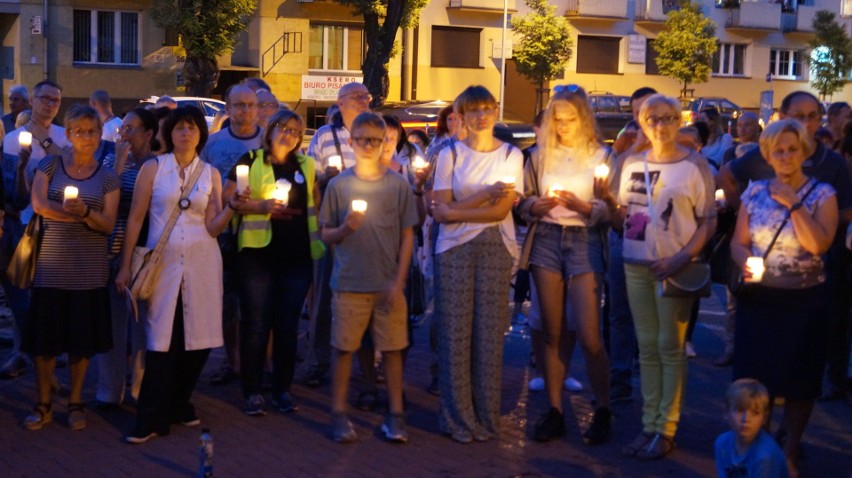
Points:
(76, 322)
(780, 339)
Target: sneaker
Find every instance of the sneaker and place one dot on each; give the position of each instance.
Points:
(394, 429)
(285, 403)
(137, 437)
(601, 428)
(573, 385)
(190, 419)
(536, 384)
(224, 376)
(434, 388)
(690, 350)
(550, 427)
(14, 367)
(342, 430)
(254, 406)
(314, 378)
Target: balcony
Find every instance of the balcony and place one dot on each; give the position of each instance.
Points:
(755, 16)
(482, 5)
(597, 9)
(806, 12)
(650, 11)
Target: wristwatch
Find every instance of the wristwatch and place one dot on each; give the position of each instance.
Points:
(795, 206)
(46, 143)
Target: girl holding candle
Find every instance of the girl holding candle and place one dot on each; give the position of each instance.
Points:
(474, 256)
(278, 243)
(782, 322)
(77, 199)
(565, 250)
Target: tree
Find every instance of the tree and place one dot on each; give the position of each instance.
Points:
(382, 20)
(207, 29)
(686, 45)
(545, 46)
(831, 58)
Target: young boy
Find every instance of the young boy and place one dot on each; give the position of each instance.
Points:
(372, 253)
(747, 451)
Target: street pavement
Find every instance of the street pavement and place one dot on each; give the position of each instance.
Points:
(298, 444)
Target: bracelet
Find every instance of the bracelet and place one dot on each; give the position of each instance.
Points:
(88, 211)
(231, 206)
(798, 205)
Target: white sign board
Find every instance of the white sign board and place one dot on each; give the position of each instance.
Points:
(497, 52)
(636, 49)
(324, 87)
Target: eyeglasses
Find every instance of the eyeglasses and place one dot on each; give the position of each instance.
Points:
(51, 100)
(807, 118)
(127, 129)
(243, 106)
(572, 88)
(363, 141)
(268, 104)
(665, 120)
(284, 129)
(91, 133)
(359, 96)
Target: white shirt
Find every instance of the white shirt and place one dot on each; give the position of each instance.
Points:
(110, 131)
(473, 172)
(574, 171)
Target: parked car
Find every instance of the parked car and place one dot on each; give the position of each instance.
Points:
(207, 105)
(612, 112)
(728, 110)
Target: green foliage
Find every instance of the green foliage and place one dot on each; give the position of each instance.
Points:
(832, 57)
(545, 46)
(686, 45)
(207, 28)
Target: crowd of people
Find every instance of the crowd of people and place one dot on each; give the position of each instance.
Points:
(372, 222)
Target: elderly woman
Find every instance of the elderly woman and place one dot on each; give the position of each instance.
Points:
(278, 243)
(137, 140)
(782, 321)
(476, 182)
(184, 318)
(69, 311)
(666, 225)
(567, 251)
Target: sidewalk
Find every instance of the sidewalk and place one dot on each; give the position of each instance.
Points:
(298, 444)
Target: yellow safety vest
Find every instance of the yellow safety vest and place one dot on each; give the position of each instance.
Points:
(255, 230)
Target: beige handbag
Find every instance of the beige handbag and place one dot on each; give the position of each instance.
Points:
(21, 269)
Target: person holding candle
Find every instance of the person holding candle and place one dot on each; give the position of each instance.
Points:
(565, 250)
(278, 241)
(474, 255)
(77, 199)
(782, 323)
(183, 321)
(664, 228)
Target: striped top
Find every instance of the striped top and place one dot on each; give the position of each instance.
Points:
(128, 181)
(72, 256)
(323, 146)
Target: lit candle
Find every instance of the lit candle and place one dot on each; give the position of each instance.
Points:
(359, 205)
(335, 162)
(755, 265)
(554, 190)
(508, 180)
(242, 177)
(25, 139)
(601, 171)
(419, 163)
(282, 191)
(71, 192)
(720, 195)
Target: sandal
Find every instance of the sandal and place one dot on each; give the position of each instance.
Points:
(637, 444)
(658, 446)
(41, 415)
(76, 416)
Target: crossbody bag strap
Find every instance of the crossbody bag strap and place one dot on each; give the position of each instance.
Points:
(786, 220)
(338, 148)
(167, 231)
(650, 193)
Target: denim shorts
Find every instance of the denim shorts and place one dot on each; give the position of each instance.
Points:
(568, 250)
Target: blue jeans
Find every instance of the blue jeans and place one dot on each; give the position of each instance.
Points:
(622, 334)
(271, 298)
(19, 299)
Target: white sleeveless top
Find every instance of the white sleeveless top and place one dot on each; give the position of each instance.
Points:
(192, 263)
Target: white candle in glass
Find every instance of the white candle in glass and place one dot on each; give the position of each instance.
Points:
(71, 192)
(25, 139)
(755, 265)
(554, 190)
(720, 195)
(601, 171)
(335, 162)
(419, 163)
(282, 191)
(508, 180)
(242, 177)
(359, 205)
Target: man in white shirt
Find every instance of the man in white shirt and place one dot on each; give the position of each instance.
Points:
(102, 103)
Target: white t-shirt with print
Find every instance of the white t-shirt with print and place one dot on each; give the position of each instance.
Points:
(574, 171)
(473, 172)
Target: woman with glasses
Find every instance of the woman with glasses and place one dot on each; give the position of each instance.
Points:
(666, 202)
(566, 256)
(136, 141)
(476, 182)
(76, 198)
(278, 242)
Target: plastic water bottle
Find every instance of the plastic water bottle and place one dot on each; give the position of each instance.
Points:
(205, 453)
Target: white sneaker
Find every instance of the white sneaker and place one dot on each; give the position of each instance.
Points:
(690, 350)
(536, 384)
(573, 385)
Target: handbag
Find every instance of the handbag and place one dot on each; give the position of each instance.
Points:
(693, 280)
(146, 263)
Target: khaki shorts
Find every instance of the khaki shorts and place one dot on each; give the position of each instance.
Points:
(353, 312)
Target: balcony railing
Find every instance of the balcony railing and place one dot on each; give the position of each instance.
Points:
(482, 5)
(597, 8)
(650, 11)
(759, 16)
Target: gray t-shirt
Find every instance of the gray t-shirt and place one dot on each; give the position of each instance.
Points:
(224, 149)
(367, 260)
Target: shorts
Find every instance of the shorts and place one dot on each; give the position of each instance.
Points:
(353, 312)
(568, 250)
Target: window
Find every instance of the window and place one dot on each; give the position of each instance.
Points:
(455, 47)
(106, 37)
(336, 47)
(651, 67)
(729, 60)
(597, 54)
(786, 63)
